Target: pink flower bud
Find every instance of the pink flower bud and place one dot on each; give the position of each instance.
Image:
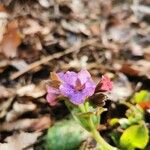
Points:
(52, 95)
(104, 85)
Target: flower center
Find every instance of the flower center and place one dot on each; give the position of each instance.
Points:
(79, 86)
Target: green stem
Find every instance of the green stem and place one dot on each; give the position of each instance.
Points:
(104, 145)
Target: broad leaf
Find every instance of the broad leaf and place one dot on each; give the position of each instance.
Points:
(142, 96)
(136, 136)
(65, 135)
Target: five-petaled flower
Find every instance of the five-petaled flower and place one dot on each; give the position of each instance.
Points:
(104, 85)
(76, 86)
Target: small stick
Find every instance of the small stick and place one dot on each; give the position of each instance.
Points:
(51, 57)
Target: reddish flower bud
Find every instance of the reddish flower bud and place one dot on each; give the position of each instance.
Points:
(104, 85)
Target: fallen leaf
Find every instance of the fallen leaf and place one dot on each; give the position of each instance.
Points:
(19, 109)
(27, 124)
(32, 90)
(3, 21)
(20, 141)
(11, 40)
(75, 27)
(4, 105)
(34, 27)
(6, 92)
(129, 70)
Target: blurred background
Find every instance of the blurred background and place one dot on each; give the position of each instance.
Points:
(37, 37)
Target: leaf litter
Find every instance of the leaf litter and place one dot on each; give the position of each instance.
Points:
(39, 37)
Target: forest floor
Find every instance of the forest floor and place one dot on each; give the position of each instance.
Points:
(41, 36)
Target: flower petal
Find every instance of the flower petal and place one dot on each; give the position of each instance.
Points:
(51, 99)
(66, 89)
(89, 88)
(83, 76)
(69, 77)
(77, 98)
(52, 90)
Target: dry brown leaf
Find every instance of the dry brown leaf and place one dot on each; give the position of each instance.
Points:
(95, 29)
(6, 92)
(75, 27)
(3, 65)
(4, 106)
(3, 21)
(129, 70)
(19, 109)
(11, 40)
(147, 53)
(27, 124)
(32, 90)
(19, 64)
(119, 33)
(138, 68)
(34, 27)
(19, 141)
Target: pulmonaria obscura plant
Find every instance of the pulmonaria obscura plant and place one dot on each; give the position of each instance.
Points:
(83, 98)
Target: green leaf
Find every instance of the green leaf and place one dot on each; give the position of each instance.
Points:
(136, 136)
(81, 116)
(65, 135)
(142, 96)
(115, 136)
(135, 114)
(113, 121)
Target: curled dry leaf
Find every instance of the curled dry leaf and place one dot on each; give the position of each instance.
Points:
(27, 124)
(19, 141)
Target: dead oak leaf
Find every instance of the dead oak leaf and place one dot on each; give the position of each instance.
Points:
(19, 141)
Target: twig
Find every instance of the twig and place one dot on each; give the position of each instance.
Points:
(51, 57)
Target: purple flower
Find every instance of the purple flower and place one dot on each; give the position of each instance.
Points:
(76, 86)
(53, 93)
